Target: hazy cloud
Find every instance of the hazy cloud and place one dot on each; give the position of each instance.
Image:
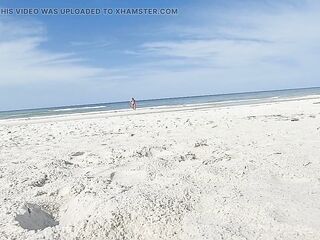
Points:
(23, 60)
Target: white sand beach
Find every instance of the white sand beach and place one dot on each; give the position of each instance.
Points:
(203, 172)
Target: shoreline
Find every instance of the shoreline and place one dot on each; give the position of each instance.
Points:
(150, 110)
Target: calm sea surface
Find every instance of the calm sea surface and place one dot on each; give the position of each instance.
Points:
(220, 100)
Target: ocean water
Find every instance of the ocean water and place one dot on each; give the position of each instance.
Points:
(219, 100)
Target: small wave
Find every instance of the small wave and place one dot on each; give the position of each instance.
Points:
(237, 100)
(73, 109)
(20, 115)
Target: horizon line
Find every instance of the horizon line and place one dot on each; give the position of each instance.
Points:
(154, 99)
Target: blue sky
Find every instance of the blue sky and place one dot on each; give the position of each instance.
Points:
(210, 47)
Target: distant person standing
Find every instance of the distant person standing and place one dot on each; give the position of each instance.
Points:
(133, 104)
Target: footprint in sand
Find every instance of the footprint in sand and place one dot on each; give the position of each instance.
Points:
(34, 218)
(76, 154)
